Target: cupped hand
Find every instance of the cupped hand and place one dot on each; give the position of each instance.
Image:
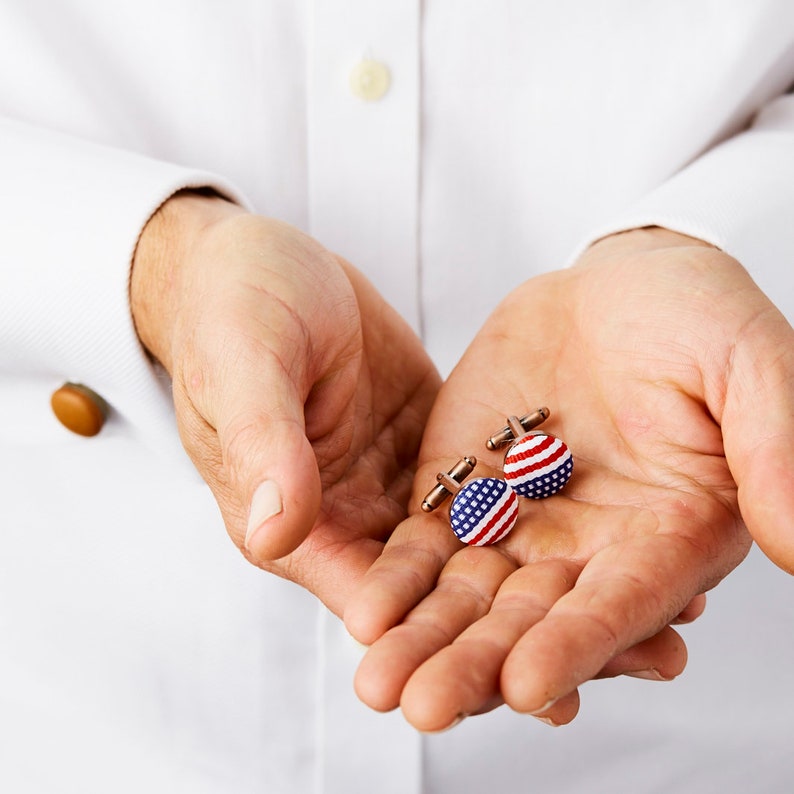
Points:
(300, 395)
(671, 378)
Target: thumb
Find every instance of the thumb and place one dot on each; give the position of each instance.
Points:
(242, 403)
(758, 432)
(248, 441)
(278, 471)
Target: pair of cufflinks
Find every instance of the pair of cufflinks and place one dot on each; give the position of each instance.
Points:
(484, 510)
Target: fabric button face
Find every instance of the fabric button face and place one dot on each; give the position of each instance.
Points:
(79, 409)
(538, 465)
(370, 80)
(483, 511)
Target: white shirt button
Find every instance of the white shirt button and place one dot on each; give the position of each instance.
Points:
(370, 80)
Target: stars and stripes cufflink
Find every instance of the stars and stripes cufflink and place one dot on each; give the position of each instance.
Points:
(537, 464)
(483, 511)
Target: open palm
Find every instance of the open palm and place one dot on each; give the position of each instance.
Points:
(669, 375)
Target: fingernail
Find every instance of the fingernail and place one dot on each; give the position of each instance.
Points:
(649, 675)
(357, 644)
(544, 707)
(265, 504)
(456, 721)
(548, 721)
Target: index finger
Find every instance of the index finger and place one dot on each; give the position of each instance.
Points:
(401, 577)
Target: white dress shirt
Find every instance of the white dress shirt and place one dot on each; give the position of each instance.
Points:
(451, 149)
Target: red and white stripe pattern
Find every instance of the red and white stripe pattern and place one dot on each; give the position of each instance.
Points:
(483, 511)
(538, 465)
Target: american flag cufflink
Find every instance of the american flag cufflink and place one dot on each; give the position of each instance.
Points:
(483, 510)
(537, 464)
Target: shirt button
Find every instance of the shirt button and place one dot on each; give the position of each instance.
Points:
(79, 409)
(370, 80)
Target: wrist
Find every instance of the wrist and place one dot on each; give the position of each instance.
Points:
(157, 280)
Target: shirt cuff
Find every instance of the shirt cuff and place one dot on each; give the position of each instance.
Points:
(71, 213)
(739, 196)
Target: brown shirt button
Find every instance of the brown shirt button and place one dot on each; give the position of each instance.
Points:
(79, 409)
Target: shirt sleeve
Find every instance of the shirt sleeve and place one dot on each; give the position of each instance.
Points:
(71, 213)
(738, 196)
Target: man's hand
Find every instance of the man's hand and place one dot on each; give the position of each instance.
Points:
(301, 396)
(671, 378)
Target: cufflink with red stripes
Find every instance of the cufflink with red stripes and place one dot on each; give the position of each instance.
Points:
(537, 464)
(483, 510)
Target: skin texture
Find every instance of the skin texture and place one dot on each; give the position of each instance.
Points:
(287, 368)
(669, 375)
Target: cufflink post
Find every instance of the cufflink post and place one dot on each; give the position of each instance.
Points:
(449, 483)
(517, 427)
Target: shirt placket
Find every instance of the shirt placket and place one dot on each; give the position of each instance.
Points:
(363, 140)
(363, 171)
